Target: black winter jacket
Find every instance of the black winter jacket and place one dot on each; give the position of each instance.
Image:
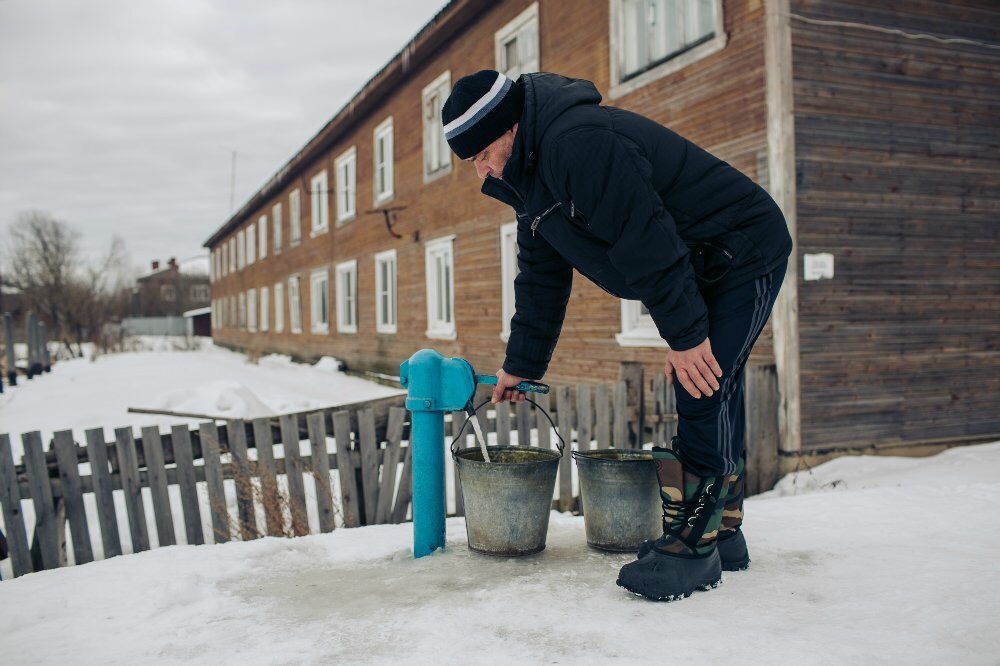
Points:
(636, 208)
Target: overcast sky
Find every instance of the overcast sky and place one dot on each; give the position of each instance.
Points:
(120, 116)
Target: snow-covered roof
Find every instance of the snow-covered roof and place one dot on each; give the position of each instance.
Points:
(198, 311)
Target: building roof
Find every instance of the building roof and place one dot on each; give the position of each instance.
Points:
(455, 15)
(197, 311)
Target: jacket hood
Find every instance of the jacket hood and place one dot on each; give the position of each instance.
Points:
(546, 97)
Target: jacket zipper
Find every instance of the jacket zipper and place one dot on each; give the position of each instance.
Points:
(538, 219)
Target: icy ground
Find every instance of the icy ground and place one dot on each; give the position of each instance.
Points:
(893, 563)
(214, 381)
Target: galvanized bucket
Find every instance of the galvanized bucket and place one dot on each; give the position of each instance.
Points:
(620, 496)
(507, 500)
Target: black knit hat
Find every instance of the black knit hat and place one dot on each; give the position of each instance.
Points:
(481, 107)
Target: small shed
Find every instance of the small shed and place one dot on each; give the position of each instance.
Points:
(199, 322)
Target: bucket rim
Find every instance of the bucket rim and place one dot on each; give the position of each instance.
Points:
(600, 455)
(556, 454)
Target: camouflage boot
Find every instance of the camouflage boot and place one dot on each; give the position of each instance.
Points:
(685, 558)
(731, 544)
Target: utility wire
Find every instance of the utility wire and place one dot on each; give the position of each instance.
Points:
(895, 31)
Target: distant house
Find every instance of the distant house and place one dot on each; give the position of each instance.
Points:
(873, 125)
(169, 292)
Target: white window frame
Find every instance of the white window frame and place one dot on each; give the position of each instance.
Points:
(319, 203)
(200, 292)
(262, 236)
(621, 84)
(251, 236)
(295, 303)
(279, 307)
(168, 293)
(638, 329)
(440, 328)
(347, 296)
(276, 215)
(385, 317)
(295, 217)
(211, 266)
(347, 185)
(265, 309)
(383, 132)
(252, 310)
(437, 153)
(242, 310)
(524, 30)
(319, 321)
(222, 260)
(233, 314)
(508, 271)
(232, 254)
(241, 250)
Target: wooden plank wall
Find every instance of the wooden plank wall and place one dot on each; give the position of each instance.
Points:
(898, 153)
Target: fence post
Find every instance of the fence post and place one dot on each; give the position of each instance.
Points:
(10, 501)
(8, 329)
(762, 440)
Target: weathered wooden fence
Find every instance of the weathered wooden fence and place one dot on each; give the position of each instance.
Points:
(355, 460)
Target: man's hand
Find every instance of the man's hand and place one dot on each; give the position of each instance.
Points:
(696, 369)
(503, 390)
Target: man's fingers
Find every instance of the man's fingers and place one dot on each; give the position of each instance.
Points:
(707, 374)
(685, 379)
(714, 365)
(498, 392)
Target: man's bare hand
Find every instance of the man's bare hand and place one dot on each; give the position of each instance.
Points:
(696, 369)
(504, 389)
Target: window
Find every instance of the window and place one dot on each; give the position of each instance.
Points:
(265, 309)
(251, 236)
(243, 310)
(319, 301)
(262, 235)
(252, 310)
(440, 288)
(168, 293)
(383, 161)
(347, 297)
(437, 154)
(232, 254)
(294, 304)
(276, 220)
(517, 44)
(638, 329)
(347, 181)
(211, 267)
(319, 210)
(233, 316)
(279, 307)
(385, 292)
(199, 292)
(653, 38)
(508, 271)
(241, 249)
(295, 217)
(222, 263)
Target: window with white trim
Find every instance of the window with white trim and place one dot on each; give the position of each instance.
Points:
(251, 236)
(439, 269)
(211, 267)
(385, 292)
(517, 44)
(243, 310)
(437, 154)
(252, 310)
(199, 292)
(638, 329)
(295, 217)
(319, 301)
(279, 307)
(223, 264)
(346, 166)
(233, 318)
(241, 249)
(383, 161)
(232, 254)
(262, 235)
(294, 304)
(347, 297)
(277, 222)
(319, 203)
(653, 38)
(265, 309)
(508, 271)
(168, 293)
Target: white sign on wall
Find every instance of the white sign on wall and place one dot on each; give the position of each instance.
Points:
(817, 266)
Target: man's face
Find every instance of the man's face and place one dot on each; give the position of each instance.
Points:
(493, 158)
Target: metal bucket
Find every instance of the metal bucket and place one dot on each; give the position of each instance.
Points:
(507, 500)
(621, 498)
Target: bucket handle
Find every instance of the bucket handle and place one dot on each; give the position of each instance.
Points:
(561, 443)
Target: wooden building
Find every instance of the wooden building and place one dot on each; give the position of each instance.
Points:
(873, 125)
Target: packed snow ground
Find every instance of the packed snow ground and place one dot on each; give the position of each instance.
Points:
(863, 560)
(93, 392)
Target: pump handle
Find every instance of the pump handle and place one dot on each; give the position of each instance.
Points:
(524, 387)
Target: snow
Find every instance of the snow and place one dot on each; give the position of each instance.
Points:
(173, 374)
(894, 563)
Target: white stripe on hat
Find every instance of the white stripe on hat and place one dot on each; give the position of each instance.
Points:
(478, 105)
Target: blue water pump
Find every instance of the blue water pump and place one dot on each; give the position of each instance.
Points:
(436, 385)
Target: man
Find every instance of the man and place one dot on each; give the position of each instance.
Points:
(648, 216)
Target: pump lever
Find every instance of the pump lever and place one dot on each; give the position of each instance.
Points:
(524, 387)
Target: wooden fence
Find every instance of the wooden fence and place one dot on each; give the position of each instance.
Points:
(364, 479)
